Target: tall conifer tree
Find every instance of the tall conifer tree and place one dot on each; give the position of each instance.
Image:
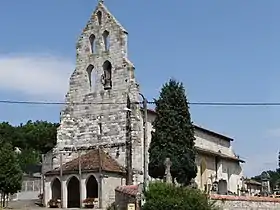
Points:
(173, 136)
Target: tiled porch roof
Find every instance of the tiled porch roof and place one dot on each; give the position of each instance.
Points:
(128, 189)
(218, 154)
(252, 182)
(90, 163)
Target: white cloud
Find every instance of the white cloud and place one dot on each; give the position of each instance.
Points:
(38, 76)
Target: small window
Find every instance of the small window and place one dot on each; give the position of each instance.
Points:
(91, 76)
(92, 41)
(99, 17)
(100, 129)
(106, 40)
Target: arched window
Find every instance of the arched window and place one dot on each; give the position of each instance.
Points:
(92, 187)
(91, 76)
(106, 40)
(56, 189)
(73, 192)
(107, 77)
(99, 17)
(92, 41)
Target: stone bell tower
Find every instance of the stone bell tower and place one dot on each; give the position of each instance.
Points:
(100, 89)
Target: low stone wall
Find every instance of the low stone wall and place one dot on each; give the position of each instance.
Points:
(226, 202)
(127, 194)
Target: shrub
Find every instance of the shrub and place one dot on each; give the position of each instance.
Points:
(166, 196)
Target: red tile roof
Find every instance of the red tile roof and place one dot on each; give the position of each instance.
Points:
(90, 162)
(252, 182)
(128, 189)
(218, 154)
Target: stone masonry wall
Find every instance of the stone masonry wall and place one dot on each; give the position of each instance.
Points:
(126, 194)
(246, 203)
(93, 115)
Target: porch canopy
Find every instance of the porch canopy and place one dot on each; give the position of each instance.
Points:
(92, 161)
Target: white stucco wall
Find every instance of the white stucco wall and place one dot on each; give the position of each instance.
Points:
(206, 141)
(226, 170)
(235, 173)
(210, 169)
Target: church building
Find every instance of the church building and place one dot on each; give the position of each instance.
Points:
(102, 114)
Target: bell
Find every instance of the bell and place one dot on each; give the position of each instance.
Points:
(108, 84)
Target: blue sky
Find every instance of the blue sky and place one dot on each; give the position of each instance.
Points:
(223, 51)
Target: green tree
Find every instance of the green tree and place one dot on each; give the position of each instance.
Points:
(10, 171)
(9, 133)
(274, 178)
(39, 135)
(164, 196)
(173, 136)
(27, 158)
(32, 138)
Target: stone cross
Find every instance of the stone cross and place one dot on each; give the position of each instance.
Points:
(242, 180)
(242, 190)
(212, 178)
(168, 164)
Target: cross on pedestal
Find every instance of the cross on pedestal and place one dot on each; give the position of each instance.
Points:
(168, 164)
(212, 178)
(242, 181)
